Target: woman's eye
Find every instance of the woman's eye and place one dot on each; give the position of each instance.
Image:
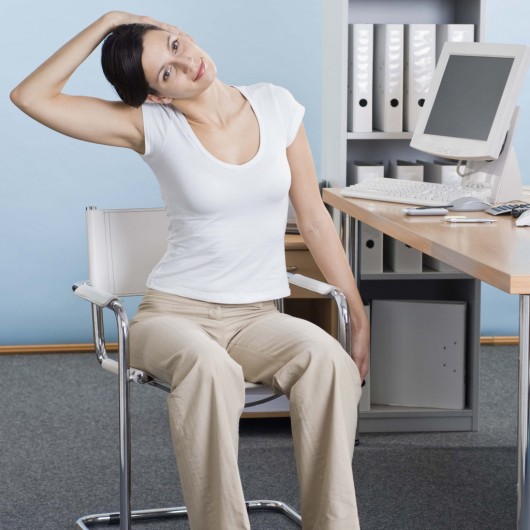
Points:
(166, 74)
(175, 45)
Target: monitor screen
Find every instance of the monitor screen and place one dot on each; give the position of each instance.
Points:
(471, 100)
(469, 96)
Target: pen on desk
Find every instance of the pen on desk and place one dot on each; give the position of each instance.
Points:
(467, 220)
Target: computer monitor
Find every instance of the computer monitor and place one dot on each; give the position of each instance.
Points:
(470, 112)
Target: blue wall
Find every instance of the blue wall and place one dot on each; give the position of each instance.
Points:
(48, 179)
(506, 21)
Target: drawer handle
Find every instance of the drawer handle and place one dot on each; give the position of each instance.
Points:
(292, 268)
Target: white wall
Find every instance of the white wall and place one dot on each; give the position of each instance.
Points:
(47, 179)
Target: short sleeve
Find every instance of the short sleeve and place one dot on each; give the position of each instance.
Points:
(155, 120)
(293, 113)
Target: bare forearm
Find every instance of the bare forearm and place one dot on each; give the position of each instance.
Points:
(50, 77)
(324, 244)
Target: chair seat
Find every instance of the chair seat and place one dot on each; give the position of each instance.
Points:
(142, 377)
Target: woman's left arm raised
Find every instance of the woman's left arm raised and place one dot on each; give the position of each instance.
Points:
(318, 231)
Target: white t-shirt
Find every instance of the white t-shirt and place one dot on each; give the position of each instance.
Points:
(226, 222)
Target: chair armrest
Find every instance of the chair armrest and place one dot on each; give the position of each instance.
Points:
(100, 300)
(310, 284)
(87, 292)
(325, 289)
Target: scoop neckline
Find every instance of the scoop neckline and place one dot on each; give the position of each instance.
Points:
(244, 92)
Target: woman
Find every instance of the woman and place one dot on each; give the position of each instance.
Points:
(227, 160)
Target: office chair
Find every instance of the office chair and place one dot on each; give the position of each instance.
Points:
(123, 246)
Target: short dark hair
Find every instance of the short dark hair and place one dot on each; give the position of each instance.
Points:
(121, 59)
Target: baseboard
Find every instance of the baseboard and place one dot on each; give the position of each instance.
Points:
(28, 349)
(500, 341)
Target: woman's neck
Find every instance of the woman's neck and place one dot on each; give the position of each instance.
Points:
(216, 106)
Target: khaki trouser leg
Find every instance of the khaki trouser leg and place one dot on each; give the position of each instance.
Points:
(324, 388)
(204, 409)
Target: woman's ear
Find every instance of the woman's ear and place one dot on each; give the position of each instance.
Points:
(154, 98)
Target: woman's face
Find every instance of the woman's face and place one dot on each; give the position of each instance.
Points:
(175, 66)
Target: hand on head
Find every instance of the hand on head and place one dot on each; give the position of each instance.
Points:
(122, 17)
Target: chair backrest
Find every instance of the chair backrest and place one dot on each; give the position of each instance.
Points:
(123, 246)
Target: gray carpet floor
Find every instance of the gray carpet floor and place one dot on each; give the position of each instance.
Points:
(58, 455)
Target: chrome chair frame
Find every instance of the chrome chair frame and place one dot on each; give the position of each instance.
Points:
(101, 300)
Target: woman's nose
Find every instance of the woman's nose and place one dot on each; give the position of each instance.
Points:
(184, 64)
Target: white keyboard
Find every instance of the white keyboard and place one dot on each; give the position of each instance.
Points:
(413, 192)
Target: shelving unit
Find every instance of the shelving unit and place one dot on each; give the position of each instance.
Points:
(340, 146)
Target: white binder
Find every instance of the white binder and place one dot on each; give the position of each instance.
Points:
(360, 76)
(400, 257)
(453, 33)
(358, 171)
(437, 265)
(371, 250)
(441, 172)
(406, 170)
(388, 77)
(418, 353)
(420, 60)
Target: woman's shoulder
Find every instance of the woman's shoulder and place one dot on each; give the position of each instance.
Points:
(278, 104)
(267, 90)
(270, 95)
(158, 117)
(157, 120)
(158, 110)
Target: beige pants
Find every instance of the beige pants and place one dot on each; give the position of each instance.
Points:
(205, 351)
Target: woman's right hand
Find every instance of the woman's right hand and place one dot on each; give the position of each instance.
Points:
(121, 17)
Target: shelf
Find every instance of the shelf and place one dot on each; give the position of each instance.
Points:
(426, 274)
(377, 135)
(381, 411)
(403, 419)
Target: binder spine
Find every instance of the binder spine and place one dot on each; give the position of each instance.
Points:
(441, 172)
(420, 58)
(361, 171)
(388, 76)
(453, 33)
(360, 77)
(405, 170)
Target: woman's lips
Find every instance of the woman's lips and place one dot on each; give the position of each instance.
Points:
(200, 71)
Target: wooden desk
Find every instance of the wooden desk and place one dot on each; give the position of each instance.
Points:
(497, 253)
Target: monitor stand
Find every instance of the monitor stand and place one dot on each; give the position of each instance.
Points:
(502, 174)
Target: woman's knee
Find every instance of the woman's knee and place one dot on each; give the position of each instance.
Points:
(317, 359)
(330, 359)
(321, 350)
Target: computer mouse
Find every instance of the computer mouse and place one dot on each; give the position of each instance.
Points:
(523, 219)
(468, 204)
